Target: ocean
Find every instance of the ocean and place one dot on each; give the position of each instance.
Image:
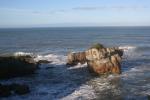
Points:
(55, 81)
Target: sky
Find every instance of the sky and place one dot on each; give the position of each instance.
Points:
(61, 13)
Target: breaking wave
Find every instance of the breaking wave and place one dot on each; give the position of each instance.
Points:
(56, 59)
(22, 54)
(127, 48)
(56, 81)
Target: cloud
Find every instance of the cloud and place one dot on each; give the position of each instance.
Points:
(85, 8)
(81, 8)
(109, 8)
(22, 11)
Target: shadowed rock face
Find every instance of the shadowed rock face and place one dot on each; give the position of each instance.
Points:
(12, 66)
(100, 60)
(75, 58)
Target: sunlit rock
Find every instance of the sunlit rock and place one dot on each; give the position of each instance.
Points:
(100, 60)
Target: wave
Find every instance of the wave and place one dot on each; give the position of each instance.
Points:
(61, 59)
(129, 51)
(56, 59)
(135, 52)
(127, 48)
(22, 54)
(75, 82)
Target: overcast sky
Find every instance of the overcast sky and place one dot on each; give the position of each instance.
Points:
(34, 13)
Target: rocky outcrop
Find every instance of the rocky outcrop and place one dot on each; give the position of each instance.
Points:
(12, 66)
(100, 60)
(43, 62)
(9, 89)
(75, 58)
(104, 60)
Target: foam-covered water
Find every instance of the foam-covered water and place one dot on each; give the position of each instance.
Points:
(56, 81)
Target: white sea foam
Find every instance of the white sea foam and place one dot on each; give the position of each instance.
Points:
(84, 92)
(127, 48)
(56, 59)
(66, 83)
(22, 53)
(129, 51)
(79, 65)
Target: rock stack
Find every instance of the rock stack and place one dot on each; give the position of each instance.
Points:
(100, 60)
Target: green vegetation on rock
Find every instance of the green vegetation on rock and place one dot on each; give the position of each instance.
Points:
(97, 46)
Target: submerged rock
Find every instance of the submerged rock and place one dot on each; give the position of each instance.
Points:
(20, 89)
(100, 60)
(12, 66)
(43, 62)
(8, 90)
(4, 91)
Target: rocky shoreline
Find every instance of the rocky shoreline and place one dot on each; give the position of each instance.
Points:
(17, 66)
(100, 60)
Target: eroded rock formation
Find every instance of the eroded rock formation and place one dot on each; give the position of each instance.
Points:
(75, 58)
(100, 60)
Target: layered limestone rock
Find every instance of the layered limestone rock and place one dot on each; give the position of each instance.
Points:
(100, 60)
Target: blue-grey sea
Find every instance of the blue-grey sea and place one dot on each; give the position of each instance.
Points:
(55, 81)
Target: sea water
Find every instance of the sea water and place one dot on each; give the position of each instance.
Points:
(55, 81)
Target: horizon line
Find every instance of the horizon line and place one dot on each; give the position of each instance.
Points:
(76, 26)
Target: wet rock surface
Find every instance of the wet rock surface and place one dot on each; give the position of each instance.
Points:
(43, 62)
(13, 66)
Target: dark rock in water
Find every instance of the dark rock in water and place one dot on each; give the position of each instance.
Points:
(100, 60)
(12, 66)
(7, 90)
(148, 97)
(20, 89)
(43, 62)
